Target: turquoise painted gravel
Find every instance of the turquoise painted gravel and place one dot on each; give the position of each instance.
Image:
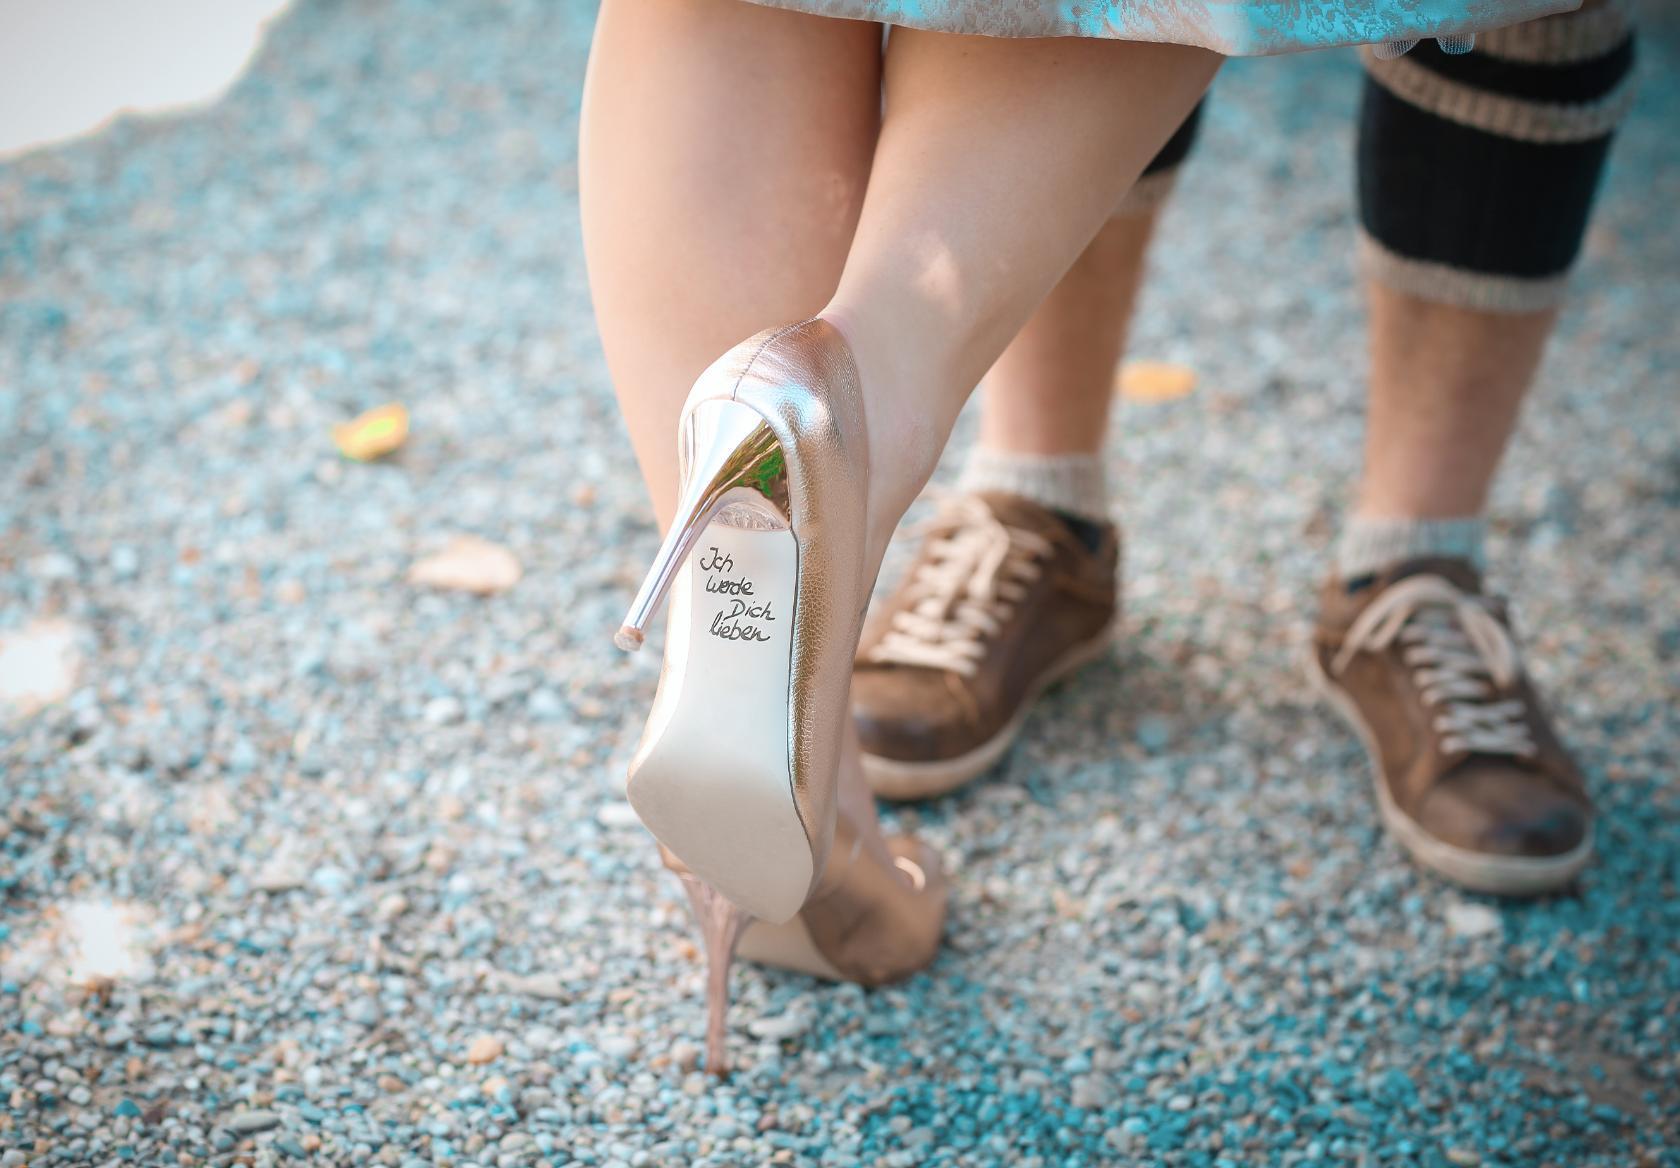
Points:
(337, 832)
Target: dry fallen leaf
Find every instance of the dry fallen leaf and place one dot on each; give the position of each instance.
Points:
(1153, 381)
(373, 434)
(468, 564)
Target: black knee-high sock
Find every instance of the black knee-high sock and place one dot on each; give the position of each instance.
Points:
(1477, 173)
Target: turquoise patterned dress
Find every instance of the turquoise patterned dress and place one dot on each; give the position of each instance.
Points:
(1237, 28)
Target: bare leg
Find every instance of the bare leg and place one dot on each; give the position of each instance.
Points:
(1446, 385)
(720, 199)
(1050, 391)
(1447, 380)
(725, 149)
(998, 162)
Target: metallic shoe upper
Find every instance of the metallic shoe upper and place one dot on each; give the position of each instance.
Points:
(802, 379)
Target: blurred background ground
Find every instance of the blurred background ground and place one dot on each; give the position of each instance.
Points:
(303, 858)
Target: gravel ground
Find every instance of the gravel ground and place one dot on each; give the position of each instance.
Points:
(311, 863)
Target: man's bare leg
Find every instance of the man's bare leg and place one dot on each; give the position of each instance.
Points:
(1446, 385)
(1477, 176)
(1045, 405)
(1050, 392)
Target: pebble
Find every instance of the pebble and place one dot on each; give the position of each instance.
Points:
(280, 877)
(780, 1027)
(357, 829)
(544, 704)
(547, 986)
(616, 1046)
(250, 1122)
(486, 1048)
(1091, 1092)
(364, 1012)
(39, 663)
(444, 711)
(617, 813)
(1468, 919)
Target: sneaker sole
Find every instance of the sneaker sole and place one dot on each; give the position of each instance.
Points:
(901, 782)
(1476, 871)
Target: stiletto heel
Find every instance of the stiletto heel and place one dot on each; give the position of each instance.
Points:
(765, 572)
(875, 918)
(725, 445)
(721, 925)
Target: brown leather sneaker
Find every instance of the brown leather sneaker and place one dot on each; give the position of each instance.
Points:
(1002, 600)
(1470, 777)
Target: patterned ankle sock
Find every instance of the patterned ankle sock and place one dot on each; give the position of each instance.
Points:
(1369, 545)
(1071, 484)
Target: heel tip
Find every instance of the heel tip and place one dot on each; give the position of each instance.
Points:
(629, 638)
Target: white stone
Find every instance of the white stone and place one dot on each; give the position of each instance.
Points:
(1467, 919)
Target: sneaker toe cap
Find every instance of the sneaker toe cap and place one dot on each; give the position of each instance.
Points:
(1501, 809)
(910, 716)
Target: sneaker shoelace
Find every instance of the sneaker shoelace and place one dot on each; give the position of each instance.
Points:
(975, 570)
(1461, 656)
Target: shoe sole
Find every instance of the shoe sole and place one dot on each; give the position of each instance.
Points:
(716, 784)
(786, 946)
(901, 781)
(1476, 871)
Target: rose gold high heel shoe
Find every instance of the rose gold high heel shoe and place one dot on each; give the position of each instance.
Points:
(736, 771)
(868, 922)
